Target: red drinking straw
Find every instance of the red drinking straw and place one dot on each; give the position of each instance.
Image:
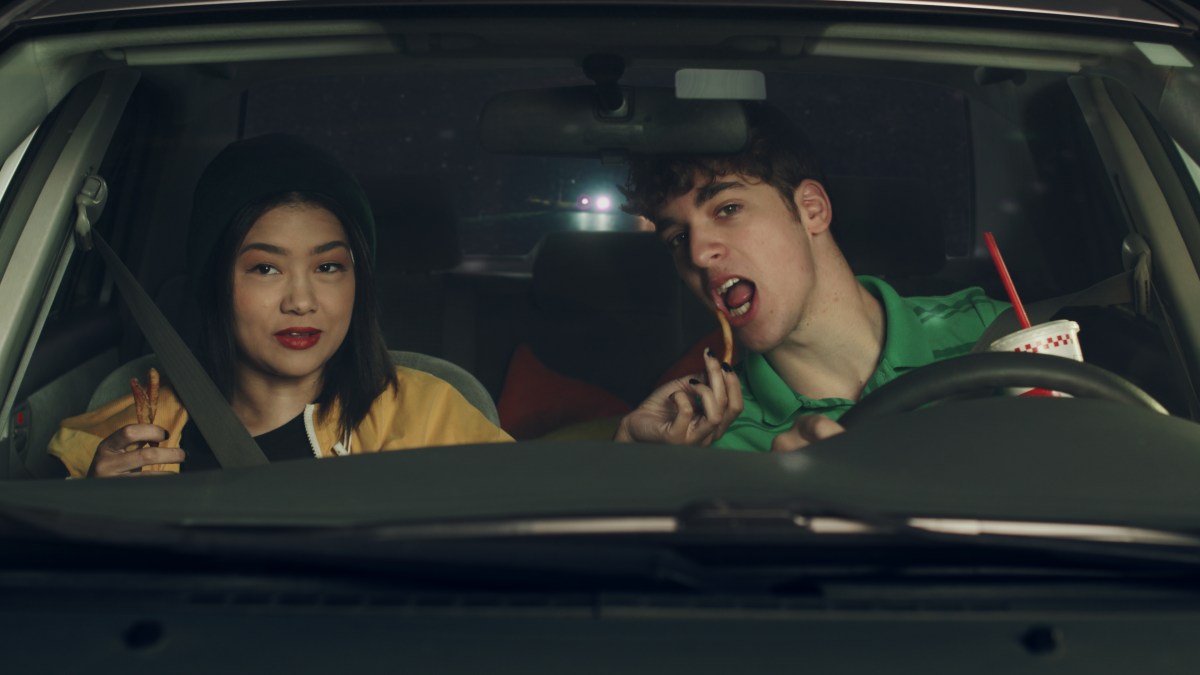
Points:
(1008, 284)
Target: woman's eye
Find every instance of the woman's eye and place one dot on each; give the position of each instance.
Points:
(264, 269)
(330, 267)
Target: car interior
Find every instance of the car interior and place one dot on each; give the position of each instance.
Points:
(511, 264)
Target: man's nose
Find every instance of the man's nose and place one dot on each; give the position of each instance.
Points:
(300, 297)
(707, 247)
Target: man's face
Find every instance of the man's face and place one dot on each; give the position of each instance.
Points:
(746, 254)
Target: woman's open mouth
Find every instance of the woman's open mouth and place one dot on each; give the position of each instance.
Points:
(298, 338)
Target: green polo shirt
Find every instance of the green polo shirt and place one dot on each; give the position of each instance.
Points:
(919, 332)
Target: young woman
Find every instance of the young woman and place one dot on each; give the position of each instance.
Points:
(280, 262)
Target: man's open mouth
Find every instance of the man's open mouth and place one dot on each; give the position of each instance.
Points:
(737, 295)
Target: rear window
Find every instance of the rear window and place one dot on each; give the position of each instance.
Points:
(389, 125)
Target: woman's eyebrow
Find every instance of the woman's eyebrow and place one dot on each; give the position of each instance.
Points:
(325, 248)
(268, 248)
(279, 250)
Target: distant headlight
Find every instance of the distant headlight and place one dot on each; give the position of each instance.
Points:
(603, 203)
(584, 202)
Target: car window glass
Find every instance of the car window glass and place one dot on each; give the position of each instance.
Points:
(395, 124)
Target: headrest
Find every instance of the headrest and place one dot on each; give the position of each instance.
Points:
(604, 271)
(416, 225)
(888, 227)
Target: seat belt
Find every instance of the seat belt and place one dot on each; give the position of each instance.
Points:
(224, 432)
(1115, 290)
(1129, 287)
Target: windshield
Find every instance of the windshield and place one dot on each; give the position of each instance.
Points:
(439, 277)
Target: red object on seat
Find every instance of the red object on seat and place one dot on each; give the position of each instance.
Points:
(692, 362)
(536, 400)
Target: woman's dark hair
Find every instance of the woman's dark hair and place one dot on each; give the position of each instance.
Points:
(776, 152)
(359, 371)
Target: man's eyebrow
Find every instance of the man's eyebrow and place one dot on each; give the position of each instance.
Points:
(661, 224)
(713, 189)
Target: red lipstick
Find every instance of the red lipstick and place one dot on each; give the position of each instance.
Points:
(298, 337)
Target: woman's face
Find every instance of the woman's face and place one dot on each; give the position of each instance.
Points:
(293, 293)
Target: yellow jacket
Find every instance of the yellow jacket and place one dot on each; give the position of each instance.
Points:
(422, 411)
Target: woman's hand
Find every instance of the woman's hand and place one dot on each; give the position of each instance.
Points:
(120, 454)
(687, 411)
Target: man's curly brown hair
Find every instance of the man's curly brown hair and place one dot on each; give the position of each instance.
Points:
(776, 153)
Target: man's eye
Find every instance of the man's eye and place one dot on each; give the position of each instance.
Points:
(729, 209)
(676, 240)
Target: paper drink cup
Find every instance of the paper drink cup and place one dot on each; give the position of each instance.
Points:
(1057, 338)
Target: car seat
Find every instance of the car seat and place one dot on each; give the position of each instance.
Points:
(417, 241)
(116, 383)
(886, 228)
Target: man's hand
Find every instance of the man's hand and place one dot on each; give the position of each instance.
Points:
(119, 454)
(687, 411)
(807, 429)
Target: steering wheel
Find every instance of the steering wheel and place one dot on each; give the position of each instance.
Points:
(995, 370)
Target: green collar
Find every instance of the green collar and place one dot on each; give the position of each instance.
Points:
(905, 346)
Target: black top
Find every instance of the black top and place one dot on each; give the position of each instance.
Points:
(287, 442)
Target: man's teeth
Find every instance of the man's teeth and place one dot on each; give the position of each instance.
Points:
(730, 283)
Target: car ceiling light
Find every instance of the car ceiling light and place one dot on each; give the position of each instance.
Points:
(1163, 55)
(718, 84)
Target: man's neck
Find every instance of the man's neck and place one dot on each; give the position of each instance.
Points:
(836, 349)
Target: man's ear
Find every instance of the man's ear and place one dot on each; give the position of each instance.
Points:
(816, 211)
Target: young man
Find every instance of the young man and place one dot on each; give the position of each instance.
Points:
(752, 237)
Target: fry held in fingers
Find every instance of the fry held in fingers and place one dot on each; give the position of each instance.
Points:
(141, 401)
(154, 380)
(727, 336)
(146, 403)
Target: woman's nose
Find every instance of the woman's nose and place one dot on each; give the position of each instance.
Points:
(300, 297)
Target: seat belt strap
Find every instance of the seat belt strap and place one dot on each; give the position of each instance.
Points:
(1115, 290)
(224, 432)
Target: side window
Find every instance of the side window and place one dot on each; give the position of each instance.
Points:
(8, 169)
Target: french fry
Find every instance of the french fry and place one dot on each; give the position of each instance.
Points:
(146, 403)
(153, 395)
(140, 400)
(727, 335)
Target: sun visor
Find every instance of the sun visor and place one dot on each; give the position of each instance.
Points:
(572, 121)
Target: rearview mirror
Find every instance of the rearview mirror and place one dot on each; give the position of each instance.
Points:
(571, 121)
